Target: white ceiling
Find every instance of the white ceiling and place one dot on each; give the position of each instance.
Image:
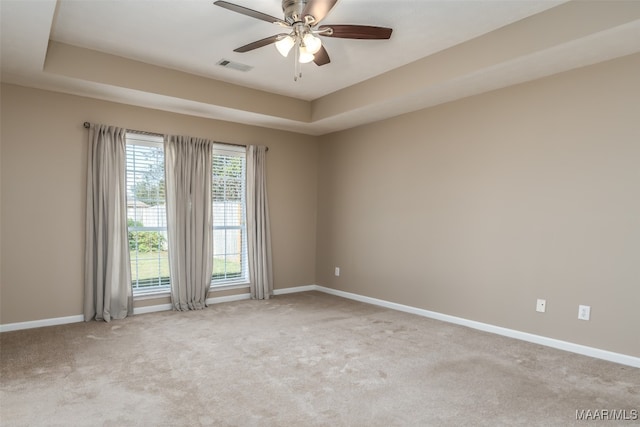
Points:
(192, 36)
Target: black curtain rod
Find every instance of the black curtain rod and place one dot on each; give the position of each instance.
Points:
(87, 125)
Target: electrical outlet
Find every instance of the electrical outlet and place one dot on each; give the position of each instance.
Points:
(584, 312)
(337, 272)
(541, 306)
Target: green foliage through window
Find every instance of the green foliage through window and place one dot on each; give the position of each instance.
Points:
(144, 241)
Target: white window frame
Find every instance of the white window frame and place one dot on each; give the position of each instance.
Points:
(155, 141)
(243, 280)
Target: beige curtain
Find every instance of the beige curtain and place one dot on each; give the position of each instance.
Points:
(107, 283)
(189, 224)
(259, 236)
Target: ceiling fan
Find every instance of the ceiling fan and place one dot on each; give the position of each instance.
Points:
(301, 19)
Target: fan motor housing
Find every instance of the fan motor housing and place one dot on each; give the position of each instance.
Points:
(293, 10)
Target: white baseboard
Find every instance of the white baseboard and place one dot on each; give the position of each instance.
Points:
(597, 353)
(151, 309)
(168, 307)
(41, 323)
(296, 289)
(228, 298)
(80, 318)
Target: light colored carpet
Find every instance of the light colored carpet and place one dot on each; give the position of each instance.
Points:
(307, 359)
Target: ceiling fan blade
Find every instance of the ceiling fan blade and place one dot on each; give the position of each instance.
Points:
(250, 12)
(321, 57)
(259, 43)
(356, 32)
(318, 9)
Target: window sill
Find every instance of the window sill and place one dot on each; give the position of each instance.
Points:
(140, 296)
(224, 287)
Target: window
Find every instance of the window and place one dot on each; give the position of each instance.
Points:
(147, 214)
(229, 216)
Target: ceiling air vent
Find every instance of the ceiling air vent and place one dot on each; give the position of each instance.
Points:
(234, 65)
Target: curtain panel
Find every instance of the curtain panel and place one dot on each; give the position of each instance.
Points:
(258, 230)
(107, 283)
(188, 163)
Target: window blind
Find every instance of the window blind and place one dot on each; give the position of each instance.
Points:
(146, 213)
(228, 197)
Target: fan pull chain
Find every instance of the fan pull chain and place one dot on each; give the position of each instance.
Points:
(297, 72)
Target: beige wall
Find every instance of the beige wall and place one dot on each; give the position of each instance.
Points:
(478, 207)
(473, 209)
(43, 195)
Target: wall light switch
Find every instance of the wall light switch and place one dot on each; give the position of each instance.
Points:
(337, 271)
(541, 305)
(584, 312)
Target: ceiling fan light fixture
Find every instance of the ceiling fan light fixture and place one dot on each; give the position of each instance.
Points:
(305, 55)
(302, 19)
(284, 45)
(312, 43)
